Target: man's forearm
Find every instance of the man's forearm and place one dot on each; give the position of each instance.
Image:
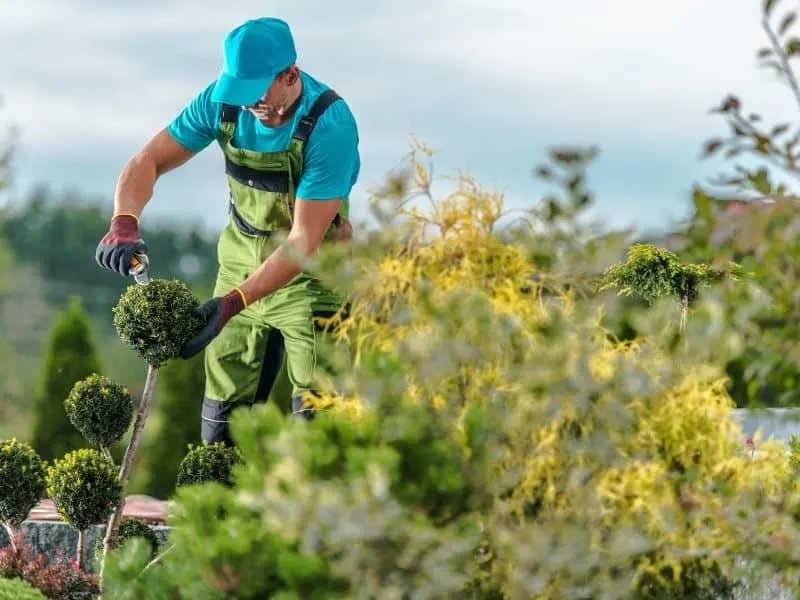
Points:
(135, 186)
(275, 272)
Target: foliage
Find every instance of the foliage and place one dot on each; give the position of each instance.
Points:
(206, 462)
(57, 580)
(156, 320)
(18, 589)
(748, 213)
(83, 485)
(492, 439)
(130, 528)
(100, 409)
(652, 272)
(22, 482)
(71, 355)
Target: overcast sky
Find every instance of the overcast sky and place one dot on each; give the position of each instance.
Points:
(490, 84)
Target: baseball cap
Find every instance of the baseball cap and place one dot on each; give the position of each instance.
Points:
(252, 55)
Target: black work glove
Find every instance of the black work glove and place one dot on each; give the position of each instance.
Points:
(216, 312)
(115, 251)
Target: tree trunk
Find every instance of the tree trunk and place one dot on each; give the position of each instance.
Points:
(81, 549)
(127, 462)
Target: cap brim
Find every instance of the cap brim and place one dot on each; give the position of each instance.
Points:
(239, 92)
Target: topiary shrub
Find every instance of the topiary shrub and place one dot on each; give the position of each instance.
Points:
(156, 320)
(17, 589)
(84, 487)
(206, 462)
(22, 483)
(130, 528)
(100, 409)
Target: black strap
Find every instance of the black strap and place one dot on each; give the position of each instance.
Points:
(307, 123)
(230, 113)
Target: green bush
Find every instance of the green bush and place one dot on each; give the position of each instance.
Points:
(206, 462)
(22, 481)
(70, 356)
(17, 589)
(130, 528)
(156, 320)
(100, 409)
(84, 487)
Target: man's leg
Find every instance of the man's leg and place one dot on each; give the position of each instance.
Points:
(306, 341)
(241, 365)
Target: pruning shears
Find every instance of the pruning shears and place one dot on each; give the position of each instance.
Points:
(139, 266)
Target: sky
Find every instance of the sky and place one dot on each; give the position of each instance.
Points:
(490, 85)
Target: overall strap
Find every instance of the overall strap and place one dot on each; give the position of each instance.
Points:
(227, 121)
(307, 123)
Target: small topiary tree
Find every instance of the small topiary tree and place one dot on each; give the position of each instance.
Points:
(130, 528)
(651, 273)
(101, 410)
(156, 320)
(208, 462)
(84, 487)
(22, 484)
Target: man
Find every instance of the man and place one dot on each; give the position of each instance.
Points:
(291, 154)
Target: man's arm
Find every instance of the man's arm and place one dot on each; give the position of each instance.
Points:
(332, 166)
(138, 178)
(311, 220)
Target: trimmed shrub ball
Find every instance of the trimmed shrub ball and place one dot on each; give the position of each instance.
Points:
(83, 485)
(156, 320)
(100, 409)
(22, 481)
(208, 462)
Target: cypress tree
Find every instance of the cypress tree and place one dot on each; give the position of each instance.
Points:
(70, 356)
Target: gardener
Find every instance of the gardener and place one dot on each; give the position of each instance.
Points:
(290, 147)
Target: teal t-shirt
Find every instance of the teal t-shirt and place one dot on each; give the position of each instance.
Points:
(331, 161)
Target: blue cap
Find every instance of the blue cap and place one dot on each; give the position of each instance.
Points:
(252, 55)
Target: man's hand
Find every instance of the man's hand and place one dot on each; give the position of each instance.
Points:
(115, 251)
(216, 312)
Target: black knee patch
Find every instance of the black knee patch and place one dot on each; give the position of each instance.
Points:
(214, 421)
(300, 410)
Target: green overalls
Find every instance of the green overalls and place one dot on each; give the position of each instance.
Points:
(242, 362)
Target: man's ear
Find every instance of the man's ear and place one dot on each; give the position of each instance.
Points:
(291, 75)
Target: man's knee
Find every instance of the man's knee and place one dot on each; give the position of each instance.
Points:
(214, 421)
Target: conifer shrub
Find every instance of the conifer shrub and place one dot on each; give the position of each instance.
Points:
(205, 462)
(156, 320)
(130, 528)
(100, 409)
(22, 482)
(70, 355)
(83, 486)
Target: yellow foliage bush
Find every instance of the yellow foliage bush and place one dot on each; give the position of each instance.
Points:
(602, 437)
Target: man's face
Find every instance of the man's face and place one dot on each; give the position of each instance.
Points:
(275, 101)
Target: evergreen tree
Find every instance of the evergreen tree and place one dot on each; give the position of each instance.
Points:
(70, 356)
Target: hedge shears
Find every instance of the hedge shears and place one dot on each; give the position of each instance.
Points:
(139, 266)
